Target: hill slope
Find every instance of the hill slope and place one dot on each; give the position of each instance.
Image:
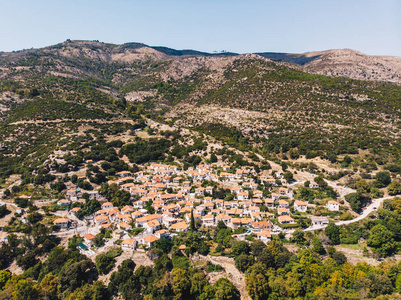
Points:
(58, 96)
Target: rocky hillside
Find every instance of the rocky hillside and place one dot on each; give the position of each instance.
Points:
(345, 63)
(51, 96)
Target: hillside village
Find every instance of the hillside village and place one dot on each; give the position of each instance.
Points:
(164, 200)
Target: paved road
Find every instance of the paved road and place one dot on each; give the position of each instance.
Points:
(370, 208)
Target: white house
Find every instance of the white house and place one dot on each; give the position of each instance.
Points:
(61, 222)
(129, 244)
(333, 206)
(300, 206)
(264, 236)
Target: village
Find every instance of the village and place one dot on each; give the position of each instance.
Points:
(177, 196)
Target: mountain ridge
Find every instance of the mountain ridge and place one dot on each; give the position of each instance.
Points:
(347, 63)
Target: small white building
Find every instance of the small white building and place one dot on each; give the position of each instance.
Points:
(333, 206)
(264, 236)
(300, 206)
(61, 222)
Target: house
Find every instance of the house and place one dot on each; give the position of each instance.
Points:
(101, 219)
(257, 202)
(127, 210)
(286, 220)
(260, 226)
(208, 220)
(88, 239)
(149, 240)
(143, 220)
(177, 180)
(282, 211)
(319, 220)
(209, 190)
(94, 195)
(271, 182)
(180, 227)
(253, 209)
(242, 196)
(200, 191)
(75, 210)
(129, 244)
(152, 225)
(107, 205)
(284, 192)
(269, 203)
(333, 206)
(224, 218)
(117, 234)
(72, 194)
(313, 185)
(264, 236)
(61, 222)
(124, 226)
(64, 202)
(196, 217)
(162, 233)
(275, 196)
(123, 174)
(300, 206)
(168, 220)
(24, 218)
(283, 203)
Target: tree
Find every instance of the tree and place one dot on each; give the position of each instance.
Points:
(98, 241)
(355, 200)
(225, 290)
(299, 237)
(381, 239)
(384, 178)
(181, 284)
(4, 277)
(104, 263)
(240, 247)
(288, 176)
(48, 286)
(26, 290)
(375, 193)
(394, 188)
(333, 233)
(243, 262)
(198, 284)
(192, 223)
(257, 247)
(58, 186)
(121, 198)
(221, 225)
(362, 187)
(317, 245)
(339, 257)
(257, 286)
(381, 284)
(76, 275)
(213, 158)
(3, 211)
(27, 261)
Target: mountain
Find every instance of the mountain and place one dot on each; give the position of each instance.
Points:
(345, 63)
(276, 104)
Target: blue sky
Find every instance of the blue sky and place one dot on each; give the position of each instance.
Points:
(294, 26)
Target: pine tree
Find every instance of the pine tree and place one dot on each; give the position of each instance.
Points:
(192, 224)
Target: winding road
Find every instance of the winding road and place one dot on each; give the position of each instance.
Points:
(368, 209)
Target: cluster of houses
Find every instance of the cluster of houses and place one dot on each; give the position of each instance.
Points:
(177, 195)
